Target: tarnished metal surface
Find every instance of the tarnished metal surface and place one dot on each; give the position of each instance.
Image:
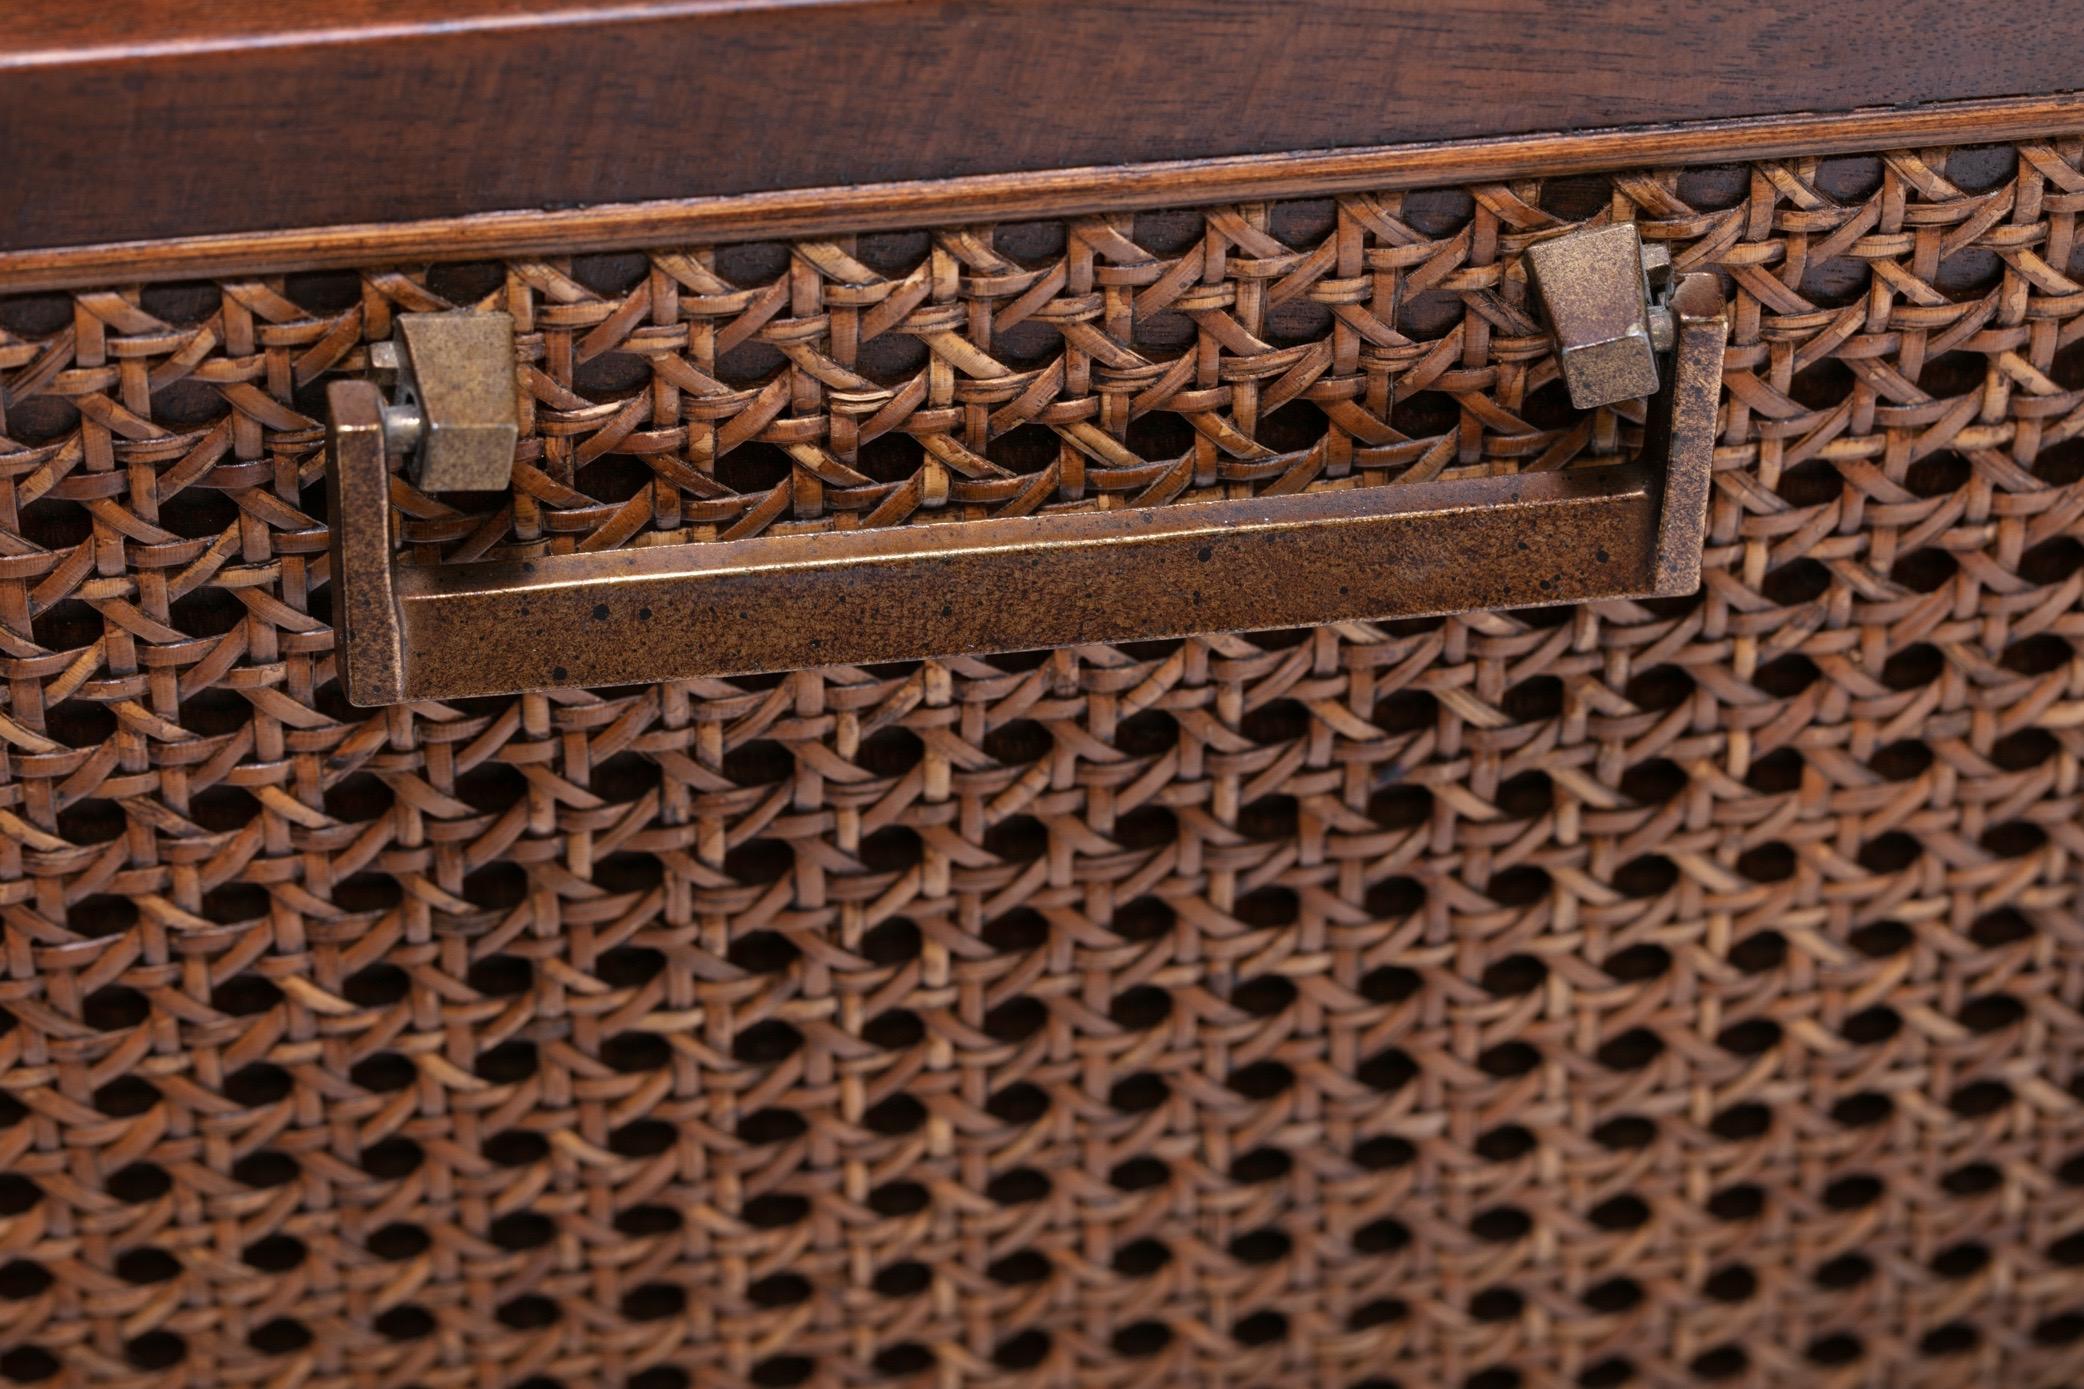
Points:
(365, 607)
(789, 602)
(458, 370)
(1681, 426)
(779, 603)
(1595, 288)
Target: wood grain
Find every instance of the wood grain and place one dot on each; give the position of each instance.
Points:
(1051, 193)
(184, 119)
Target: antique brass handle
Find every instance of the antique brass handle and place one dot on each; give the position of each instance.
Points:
(788, 602)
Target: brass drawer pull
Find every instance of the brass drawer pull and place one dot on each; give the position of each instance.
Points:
(789, 602)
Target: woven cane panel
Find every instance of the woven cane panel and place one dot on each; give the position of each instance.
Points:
(1674, 993)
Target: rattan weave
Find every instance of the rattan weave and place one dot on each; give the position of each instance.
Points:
(1677, 993)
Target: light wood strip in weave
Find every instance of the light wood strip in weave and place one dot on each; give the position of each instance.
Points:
(1676, 993)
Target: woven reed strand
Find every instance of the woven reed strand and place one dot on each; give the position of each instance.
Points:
(1668, 994)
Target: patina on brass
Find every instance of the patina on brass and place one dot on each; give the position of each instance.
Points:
(1596, 288)
(838, 597)
(454, 419)
(1680, 426)
(358, 506)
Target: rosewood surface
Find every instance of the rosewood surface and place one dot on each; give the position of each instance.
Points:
(185, 119)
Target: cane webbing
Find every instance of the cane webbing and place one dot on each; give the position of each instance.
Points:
(1665, 993)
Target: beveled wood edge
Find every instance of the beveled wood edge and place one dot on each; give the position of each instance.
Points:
(56, 33)
(1074, 192)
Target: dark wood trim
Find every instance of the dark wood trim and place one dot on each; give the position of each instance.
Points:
(186, 118)
(1058, 193)
(34, 32)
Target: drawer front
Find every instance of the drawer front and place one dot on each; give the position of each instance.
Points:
(1659, 992)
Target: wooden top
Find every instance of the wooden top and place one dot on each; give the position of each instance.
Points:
(243, 115)
(39, 31)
